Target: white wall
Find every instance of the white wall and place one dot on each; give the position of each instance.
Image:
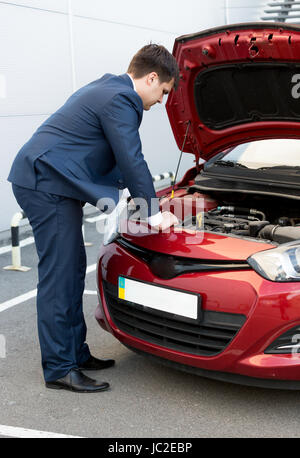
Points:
(244, 10)
(51, 47)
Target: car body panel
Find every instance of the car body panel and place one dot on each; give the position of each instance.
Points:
(180, 242)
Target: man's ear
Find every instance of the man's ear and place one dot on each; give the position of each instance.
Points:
(151, 77)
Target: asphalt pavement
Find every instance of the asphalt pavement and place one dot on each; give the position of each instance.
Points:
(146, 399)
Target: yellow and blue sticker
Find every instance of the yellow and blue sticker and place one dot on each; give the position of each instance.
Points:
(121, 288)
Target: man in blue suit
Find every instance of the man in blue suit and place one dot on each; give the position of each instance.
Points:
(88, 149)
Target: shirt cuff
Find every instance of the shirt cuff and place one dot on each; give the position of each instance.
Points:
(155, 220)
(125, 194)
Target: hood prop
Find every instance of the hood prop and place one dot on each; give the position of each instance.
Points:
(183, 145)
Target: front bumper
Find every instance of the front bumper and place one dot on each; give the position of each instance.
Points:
(247, 311)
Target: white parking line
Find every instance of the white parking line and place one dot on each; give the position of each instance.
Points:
(12, 431)
(25, 297)
(91, 268)
(25, 242)
(17, 300)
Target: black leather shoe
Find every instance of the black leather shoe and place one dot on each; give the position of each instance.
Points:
(75, 380)
(95, 364)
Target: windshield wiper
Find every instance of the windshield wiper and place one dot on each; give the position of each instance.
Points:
(282, 168)
(229, 164)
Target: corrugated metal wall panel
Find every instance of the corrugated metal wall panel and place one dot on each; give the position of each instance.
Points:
(14, 132)
(167, 15)
(50, 5)
(35, 61)
(102, 47)
(244, 10)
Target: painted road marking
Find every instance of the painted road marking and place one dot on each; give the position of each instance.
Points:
(25, 242)
(12, 431)
(91, 268)
(17, 300)
(25, 297)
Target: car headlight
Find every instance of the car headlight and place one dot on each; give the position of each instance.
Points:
(280, 264)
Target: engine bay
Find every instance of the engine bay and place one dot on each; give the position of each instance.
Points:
(261, 217)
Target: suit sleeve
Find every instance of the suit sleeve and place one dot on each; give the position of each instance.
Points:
(120, 124)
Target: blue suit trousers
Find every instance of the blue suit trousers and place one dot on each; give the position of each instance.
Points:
(57, 228)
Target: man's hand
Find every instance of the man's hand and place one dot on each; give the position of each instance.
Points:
(168, 220)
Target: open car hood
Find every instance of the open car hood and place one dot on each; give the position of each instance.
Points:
(238, 83)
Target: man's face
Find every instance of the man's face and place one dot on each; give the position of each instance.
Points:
(154, 91)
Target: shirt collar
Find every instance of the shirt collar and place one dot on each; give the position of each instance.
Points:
(132, 81)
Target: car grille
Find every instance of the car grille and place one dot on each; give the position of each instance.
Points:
(207, 338)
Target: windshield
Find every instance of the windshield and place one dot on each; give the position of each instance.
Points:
(265, 153)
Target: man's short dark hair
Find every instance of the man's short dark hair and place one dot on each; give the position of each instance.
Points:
(155, 58)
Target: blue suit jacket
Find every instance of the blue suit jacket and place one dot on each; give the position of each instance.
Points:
(90, 148)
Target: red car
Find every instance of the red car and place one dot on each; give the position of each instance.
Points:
(219, 294)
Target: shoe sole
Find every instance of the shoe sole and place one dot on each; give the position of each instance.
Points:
(94, 369)
(75, 390)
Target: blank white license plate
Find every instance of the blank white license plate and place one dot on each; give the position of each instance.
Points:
(158, 298)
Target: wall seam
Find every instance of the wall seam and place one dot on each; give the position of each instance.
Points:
(71, 37)
(90, 17)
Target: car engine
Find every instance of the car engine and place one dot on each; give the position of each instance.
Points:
(256, 216)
